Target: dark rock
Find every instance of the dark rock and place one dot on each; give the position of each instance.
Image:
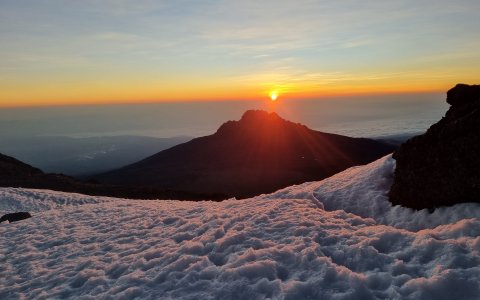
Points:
(463, 94)
(17, 216)
(442, 166)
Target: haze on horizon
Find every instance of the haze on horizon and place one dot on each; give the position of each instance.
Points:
(89, 52)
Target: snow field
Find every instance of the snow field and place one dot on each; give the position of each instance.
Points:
(333, 239)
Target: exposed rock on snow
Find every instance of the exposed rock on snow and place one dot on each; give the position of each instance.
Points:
(442, 166)
(335, 239)
(16, 216)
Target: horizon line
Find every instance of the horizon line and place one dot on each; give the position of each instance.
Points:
(284, 97)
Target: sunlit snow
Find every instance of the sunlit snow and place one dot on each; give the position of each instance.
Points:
(334, 239)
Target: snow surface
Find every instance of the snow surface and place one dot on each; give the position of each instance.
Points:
(335, 239)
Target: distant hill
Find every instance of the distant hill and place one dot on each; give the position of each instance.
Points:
(14, 173)
(12, 169)
(258, 154)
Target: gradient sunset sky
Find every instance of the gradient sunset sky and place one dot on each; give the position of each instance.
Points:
(74, 52)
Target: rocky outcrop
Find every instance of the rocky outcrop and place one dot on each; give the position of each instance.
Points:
(17, 216)
(442, 166)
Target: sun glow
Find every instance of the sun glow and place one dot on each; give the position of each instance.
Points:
(273, 96)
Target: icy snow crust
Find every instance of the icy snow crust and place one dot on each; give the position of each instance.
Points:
(334, 239)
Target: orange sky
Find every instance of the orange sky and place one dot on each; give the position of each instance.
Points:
(153, 51)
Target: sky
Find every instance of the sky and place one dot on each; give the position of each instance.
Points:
(93, 51)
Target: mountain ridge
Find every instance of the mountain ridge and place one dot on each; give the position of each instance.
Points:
(257, 154)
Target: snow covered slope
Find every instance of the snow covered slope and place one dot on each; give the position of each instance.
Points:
(334, 239)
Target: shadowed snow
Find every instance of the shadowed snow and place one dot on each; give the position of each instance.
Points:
(334, 239)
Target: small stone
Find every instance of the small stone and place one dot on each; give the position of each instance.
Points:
(17, 216)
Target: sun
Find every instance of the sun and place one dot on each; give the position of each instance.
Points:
(273, 96)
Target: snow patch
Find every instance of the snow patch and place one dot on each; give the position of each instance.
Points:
(363, 191)
(34, 200)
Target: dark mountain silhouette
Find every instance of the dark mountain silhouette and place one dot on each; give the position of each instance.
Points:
(442, 166)
(14, 173)
(258, 154)
(11, 169)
